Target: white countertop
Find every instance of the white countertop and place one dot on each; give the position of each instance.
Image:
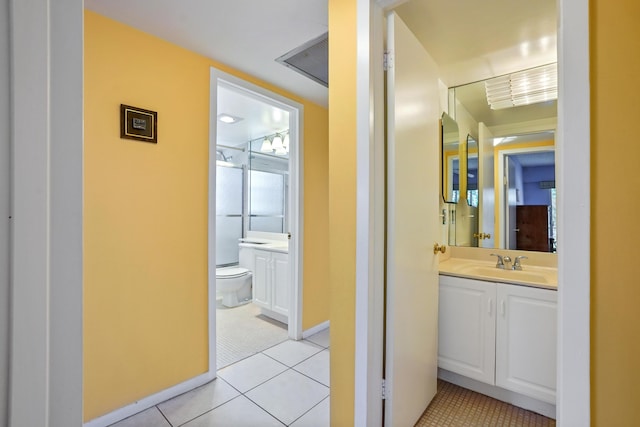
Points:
(530, 275)
(265, 244)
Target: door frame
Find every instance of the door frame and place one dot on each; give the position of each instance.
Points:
(573, 136)
(501, 197)
(296, 174)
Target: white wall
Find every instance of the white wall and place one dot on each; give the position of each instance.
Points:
(4, 207)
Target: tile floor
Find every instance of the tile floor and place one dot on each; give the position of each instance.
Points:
(242, 331)
(287, 384)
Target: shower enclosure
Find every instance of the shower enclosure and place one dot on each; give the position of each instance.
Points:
(251, 194)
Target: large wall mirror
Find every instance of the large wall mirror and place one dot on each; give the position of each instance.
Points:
(509, 168)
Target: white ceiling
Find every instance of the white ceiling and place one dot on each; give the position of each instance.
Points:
(469, 40)
(247, 35)
(259, 119)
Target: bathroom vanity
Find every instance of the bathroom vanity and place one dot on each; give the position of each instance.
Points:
(271, 282)
(268, 260)
(497, 335)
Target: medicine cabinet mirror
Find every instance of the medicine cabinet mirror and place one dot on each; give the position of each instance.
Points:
(450, 138)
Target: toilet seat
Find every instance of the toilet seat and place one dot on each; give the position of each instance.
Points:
(230, 273)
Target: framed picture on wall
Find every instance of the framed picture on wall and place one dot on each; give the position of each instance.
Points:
(138, 123)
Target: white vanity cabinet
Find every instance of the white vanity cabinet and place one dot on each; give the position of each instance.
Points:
(499, 334)
(271, 283)
(526, 341)
(466, 327)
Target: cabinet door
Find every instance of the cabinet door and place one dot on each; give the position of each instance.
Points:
(262, 278)
(280, 283)
(526, 341)
(466, 327)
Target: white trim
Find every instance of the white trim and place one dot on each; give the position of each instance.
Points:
(47, 186)
(315, 329)
(5, 187)
(149, 401)
(370, 214)
(296, 224)
(574, 206)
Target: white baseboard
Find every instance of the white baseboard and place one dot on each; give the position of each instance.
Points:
(516, 399)
(315, 329)
(149, 401)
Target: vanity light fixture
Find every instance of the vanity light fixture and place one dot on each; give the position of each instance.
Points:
(266, 146)
(523, 87)
(276, 143)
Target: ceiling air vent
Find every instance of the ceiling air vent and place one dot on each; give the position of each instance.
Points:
(311, 59)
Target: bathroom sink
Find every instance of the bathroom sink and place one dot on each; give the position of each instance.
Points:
(530, 275)
(514, 275)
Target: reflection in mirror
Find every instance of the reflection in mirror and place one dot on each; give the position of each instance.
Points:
(504, 131)
(529, 197)
(450, 159)
(472, 172)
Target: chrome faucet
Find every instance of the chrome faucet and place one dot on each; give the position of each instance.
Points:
(502, 260)
(507, 262)
(516, 263)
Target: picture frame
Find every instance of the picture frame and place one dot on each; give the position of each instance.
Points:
(138, 124)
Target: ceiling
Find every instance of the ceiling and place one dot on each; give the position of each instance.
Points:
(469, 40)
(258, 119)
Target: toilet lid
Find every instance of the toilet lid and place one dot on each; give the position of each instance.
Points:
(228, 273)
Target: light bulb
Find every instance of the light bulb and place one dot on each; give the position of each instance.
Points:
(277, 142)
(266, 146)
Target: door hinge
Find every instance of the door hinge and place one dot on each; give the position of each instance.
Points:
(387, 60)
(384, 389)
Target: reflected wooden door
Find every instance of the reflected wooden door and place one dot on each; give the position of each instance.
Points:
(532, 223)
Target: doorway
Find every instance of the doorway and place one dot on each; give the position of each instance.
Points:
(263, 184)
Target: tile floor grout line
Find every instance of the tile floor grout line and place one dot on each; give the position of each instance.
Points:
(207, 411)
(305, 375)
(310, 409)
(265, 409)
(163, 415)
(263, 382)
(307, 358)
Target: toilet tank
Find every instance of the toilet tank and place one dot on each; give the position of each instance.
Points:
(245, 258)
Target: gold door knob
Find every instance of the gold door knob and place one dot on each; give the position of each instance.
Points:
(437, 248)
(482, 235)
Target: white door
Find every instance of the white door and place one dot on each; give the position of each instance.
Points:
(486, 207)
(411, 330)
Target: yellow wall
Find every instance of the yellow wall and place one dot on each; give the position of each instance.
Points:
(342, 206)
(615, 155)
(145, 219)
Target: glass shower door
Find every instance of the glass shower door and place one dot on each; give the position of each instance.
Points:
(229, 204)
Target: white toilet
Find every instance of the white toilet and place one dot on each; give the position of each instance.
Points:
(233, 284)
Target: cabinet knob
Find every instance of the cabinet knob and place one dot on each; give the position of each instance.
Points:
(437, 248)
